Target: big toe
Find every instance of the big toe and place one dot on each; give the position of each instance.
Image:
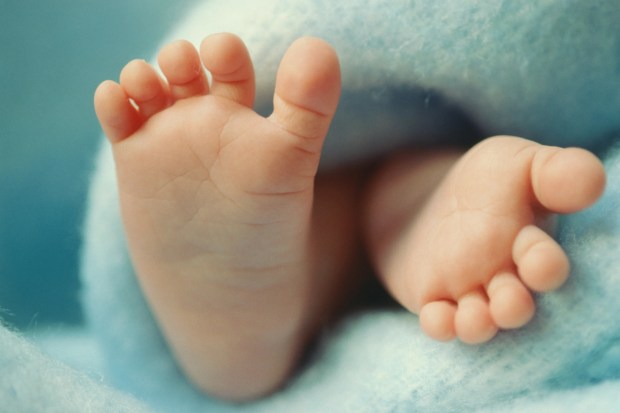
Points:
(567, 180)
(307, 90)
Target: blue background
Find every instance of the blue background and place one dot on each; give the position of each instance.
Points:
(52, 56)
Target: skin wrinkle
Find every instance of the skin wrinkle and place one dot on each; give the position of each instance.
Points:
(280, 123)
(210, 169)
(230, 121)
(228, 90)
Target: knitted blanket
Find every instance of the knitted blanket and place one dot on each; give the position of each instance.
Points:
(414, 72)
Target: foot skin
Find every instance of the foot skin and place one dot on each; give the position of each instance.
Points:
(474, 255)
(217, 201)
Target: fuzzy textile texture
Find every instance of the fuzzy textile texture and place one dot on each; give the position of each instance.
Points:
(414, 72)
(32, 382)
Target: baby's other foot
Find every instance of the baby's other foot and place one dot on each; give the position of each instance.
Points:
(469, 264)
(217, 201)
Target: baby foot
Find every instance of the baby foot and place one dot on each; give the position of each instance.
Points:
(469, 264)
(216, 202)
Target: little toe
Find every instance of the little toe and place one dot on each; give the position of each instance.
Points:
(567, 180)
(117, 116)
(144, 86)
(180, 64)
(228, 61)
(510, 303)
(541, 263)
(437, 320)
(307, 91)
(473, 321)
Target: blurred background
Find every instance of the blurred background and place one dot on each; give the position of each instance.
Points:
(52, 57)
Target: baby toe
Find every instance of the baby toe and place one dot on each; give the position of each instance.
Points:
(229, 63)
(567, 180)
(180, 64)
(144, 86)
(437, 320)
(541, 263)
(307, 91)
(510, 303)
(473, 321)
(117, 116)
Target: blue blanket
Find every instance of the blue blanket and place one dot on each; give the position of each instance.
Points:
(414, 72)
(379, 360)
